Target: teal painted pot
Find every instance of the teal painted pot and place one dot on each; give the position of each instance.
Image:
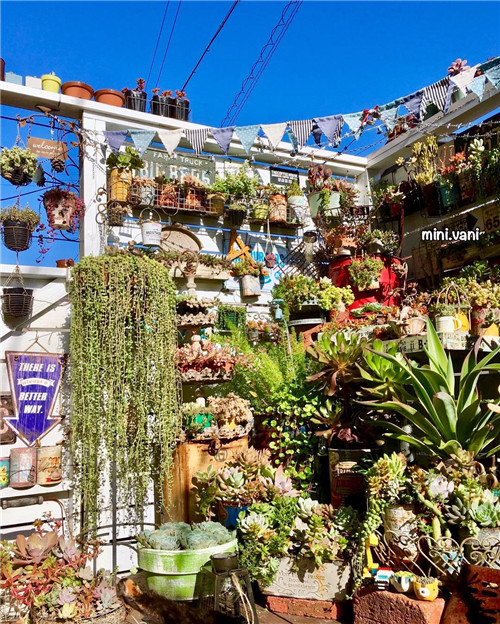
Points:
(175, 573)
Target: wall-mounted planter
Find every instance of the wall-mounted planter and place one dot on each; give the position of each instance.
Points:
(22, 467)
(120, 181)
(51, 82)
(78, 89)
(250, 286)
(110, 97)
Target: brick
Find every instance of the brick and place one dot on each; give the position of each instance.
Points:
(455, 611)
(307, 608)
(382, 607)
(483, 592)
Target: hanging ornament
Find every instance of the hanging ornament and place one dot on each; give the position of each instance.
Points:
(58, 165)
(270, 260)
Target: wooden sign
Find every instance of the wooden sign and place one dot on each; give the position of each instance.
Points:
(46, 148)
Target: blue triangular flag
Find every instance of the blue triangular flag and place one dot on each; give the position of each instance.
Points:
(353, 122)
(493, 76)
(115, 138)
(477, 86)
(388, 113)
(247, 134)
(413, 102)
(223, 137)
(293, 139)
(142, 139)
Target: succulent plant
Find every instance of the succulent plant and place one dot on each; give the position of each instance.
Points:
(306, 507)
(163, 541)
(455, 513)
(254, 523)
(440, 487)
(66, 596)
(35, 547)
(486, 514)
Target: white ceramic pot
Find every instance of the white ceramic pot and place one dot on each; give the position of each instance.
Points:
(151, 233)
(447, 324)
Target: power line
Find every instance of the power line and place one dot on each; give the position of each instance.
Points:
(168, 43)
(157, 43)
(261, 63)
(221, 26)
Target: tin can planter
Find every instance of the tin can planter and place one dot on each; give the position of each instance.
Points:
(4, 472)
(120, 181)
(467, 190)
(22, 467)
(174, 573)
(224, 562)
(400, 522)
(159, 105)
(48, 465)
(17, 235)
(314, 201)
(450, 195)
(250, 286)
(151, 230)
(111, 97)
(78, 89)
(297, 207)
(344, 481)
(447, 324)
(51, 82)
(17, 301)
(216, 202)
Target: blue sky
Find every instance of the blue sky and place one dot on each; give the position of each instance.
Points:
(336, 57)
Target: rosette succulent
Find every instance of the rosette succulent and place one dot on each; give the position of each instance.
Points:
(486, 514)
(253, 523)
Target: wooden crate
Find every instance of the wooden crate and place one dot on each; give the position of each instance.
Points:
(190, 458)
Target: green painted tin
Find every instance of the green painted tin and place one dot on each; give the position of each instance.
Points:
(174, 573)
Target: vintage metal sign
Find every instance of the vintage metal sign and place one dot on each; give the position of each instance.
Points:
(283, 177)
(46, 148)
(179, 166)
(34, 381)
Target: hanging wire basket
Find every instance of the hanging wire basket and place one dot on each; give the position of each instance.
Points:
(16, 235)
(17, 301)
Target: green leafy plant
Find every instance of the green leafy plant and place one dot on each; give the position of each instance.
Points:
(447, 415)
(237, 184)
(363, 271)
(23, 215)
(129, 160)
(381, 379)
(230, 317)
(443, 309)
(247, 266)
(17, 158)
(124, 383)
(294, 190)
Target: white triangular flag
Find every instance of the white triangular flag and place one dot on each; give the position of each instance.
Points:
(170, 139)
(464, 79)
(274, 133)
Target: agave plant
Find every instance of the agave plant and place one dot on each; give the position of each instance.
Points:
(339, 353)
(383, 380)
(446, 415)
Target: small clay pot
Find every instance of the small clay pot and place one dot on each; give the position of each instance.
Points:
(109, 96)
(78, 89)
(63, 264)
(224, 562)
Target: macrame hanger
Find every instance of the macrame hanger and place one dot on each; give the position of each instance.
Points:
(36, 342)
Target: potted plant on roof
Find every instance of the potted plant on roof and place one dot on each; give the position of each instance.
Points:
(182, 104)
(249, 271)
(159, 103)
(18, 225)
(121, 167)
(18, 165)
(64, 209)
(135, 99)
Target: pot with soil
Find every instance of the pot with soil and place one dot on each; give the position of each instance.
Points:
(78, 89)
(135, 99)
(18, 225)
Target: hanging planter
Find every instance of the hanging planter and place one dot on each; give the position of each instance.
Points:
(17, 301)
(450, 193)
(18, 165)
(135, 99)
(150, 229)
(260, 212)
(432, 199)
(236, 214)
(277, 207)
(64, 209)
(18, 226)
(110, 97)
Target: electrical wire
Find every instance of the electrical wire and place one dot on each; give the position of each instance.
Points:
(157, 43)
(221, 26)
(168, 43)
(265, 56)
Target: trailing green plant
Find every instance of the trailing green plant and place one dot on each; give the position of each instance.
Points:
(124, 383)
(231, 317)
(17, 157)
(363, 271)
(23, 215)
(129, 160)
(447, 414)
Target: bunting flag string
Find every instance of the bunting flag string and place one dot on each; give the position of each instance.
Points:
(223, 137)
(293, 139)
(301, 130)
(493, 75)
(197, 138)
(142, 139)
(115, 138)
(477, 86)
(464, 79)
(436, 94)
(170, 139)
(274, 133)
(331, 127)
(247, 134)
(413, 102)
(388, 114)
(354, 122)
